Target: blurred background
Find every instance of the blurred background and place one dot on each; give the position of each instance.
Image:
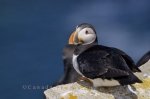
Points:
(34, 32)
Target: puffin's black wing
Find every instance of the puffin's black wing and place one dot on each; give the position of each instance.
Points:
(99, 61)
(103, 62)
(144, 59)
(128, 60)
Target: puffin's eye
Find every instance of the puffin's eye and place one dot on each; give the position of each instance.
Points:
(86, 32)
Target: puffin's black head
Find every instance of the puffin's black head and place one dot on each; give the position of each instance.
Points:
(84, 34)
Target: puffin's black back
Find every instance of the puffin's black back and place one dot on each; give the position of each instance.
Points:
(104, 62)
(128, 60)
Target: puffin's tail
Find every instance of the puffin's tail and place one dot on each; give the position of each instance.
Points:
(145, 58)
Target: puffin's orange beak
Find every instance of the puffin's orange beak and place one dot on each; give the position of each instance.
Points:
(72, 37)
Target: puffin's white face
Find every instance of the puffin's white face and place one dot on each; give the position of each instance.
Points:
(82, 36)
(86, 36)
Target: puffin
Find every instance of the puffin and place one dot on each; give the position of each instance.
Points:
(145, 58)
(98, 64)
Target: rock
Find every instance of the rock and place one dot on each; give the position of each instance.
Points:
(76, 91)
(145, 68)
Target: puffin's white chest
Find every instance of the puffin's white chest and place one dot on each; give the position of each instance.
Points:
(75, 64)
